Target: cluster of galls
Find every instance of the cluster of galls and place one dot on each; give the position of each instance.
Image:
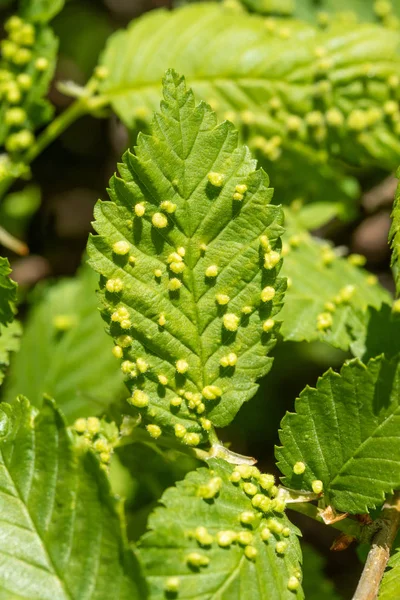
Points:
(97, 435)
(261, 521)
(19, 69)
(195, 403)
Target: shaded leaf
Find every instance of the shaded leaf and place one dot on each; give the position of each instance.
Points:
(317, 584)
(8, 293)
(389, 589)
(394, 237)
(376, 333)
(346, 432)
(9, 342)
(60, 530)
(40, 11)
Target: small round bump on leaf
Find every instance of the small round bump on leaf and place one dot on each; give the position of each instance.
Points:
(162, 320)
(41, 63)
(267, 294)
(114, 285)
(229, 360)
(216, 179)
(250, 489)
(142, 365)
(245, 538)
(247, 310)
(192, 439)
(222, 299)
(271, 259)
(299, 468)
(324, 321)
(231, 321)
(211, 271)
(211, 392)
(162, 379)
(180, 430)
(182, 366)
(157, 273)
(209, 490)
(118, 352)
(168, 206)
(171, 585)
(139, 209)
(225, 538)
(121, 248)
(159, 220)
(281, 547)
(265, 534)
(250, 552)
(176, 401)
(293, 584)
(154, 431)
(203, 537)
(268, 325)
(317, 486)
(139, 399)
(196, 560)
(174, 284)
(247, 517)
(206, 424)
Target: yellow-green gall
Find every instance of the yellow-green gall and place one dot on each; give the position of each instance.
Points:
(142, 365)
(278, 505)
(171, 585)
(266, 481)
(271, 259)
(244, 538)
(203, 537)
(203, 248)
(211, 392)
(314, 118)
(159, 220)
(396, 306)
(15, 116)
(371, 279)
(18, 142)
(328, 255)
(286, 531)
(174, 284)
(24, 81)
(225, 538)
(41, 63)
(222, 299)
(121, 248)
(200, 409)
(154, 431)
(247, 517)
(330, 306)
(125, 324)
(177, 267)
(22, 57)
(139, 209)
(230, 321)
(93, 425)
(206, 424)
(268, 325)
(210, 489)
(265, 534)
(265, 243)
(238, 197)
(346, 293)
(324, 321)
(118, 352)
(334, 117)
(192, 439)
(250, 552)
(267, 294)
(241, 188)
(176, 401)
(182, 366)
(180, 430)
(168, 206)
(114, 285)
(246, 471)
(101, 445)
(357, 120)
(281, 547)
(264, 504)
(157, 273)
(293, 123)
(162, 320)
(101, 72)
(139, 399)
(229, 360)
(235, 477)
(250, 489)
(317, 486)
(162, 379)
(211, 271)
(181, 251)
(299, 468)
(357, 260)
(197, 560)
(128, 367)
(216, 179)
(80, 425)
(293, 584)
(247, 310)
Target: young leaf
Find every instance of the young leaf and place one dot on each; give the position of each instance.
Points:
(290, 94)
(394, 237)
(181, 251)
(325, 11)
(8, 293)
(377, 332)
(209, 537)
(325, 292)
(9, 342)
(40, 11)
(389, 589)
(73, 361)
(60, 530)
(347, 434)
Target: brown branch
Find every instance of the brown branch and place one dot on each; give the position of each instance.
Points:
(368, 586)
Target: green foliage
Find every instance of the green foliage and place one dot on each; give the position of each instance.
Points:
(17, 208)
(346, 432)
(300, 97)
(265, 7)
(40, 11)
(8, 293)
(326, 293)
(316, 584)
(66, 353)
(348, 10)
(181, 251)
(193, 523)
(60, 526)
(389, 589)
(394, 237)
(376, 333)
(9, 342)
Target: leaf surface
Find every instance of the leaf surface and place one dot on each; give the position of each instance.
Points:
(8, 293)
(394, 238)
(389, 589)
(61, 534)
(229, 575)
(66, 353)
(40, 11)
(189, 307)
(9, 342)
(346, 432)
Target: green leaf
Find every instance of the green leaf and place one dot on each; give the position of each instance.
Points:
(40, 11)
(9, 342)
(60, 529)
(377, 332)
(228, 575)
(348, 10)
(394, 237)
(316, 584)
(325, 292)
(17, 208)
(66, 353)
(347, 434)
(8, 293)
(208, 305)
(389, 589)
(265, 7)
(279, 85)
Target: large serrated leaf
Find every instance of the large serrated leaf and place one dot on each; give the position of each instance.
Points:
(8, 293)
(61, 534)
(66, 353)
(326, 292)
(205, 306)
(278, 84)
(389, 589)
(229, 575)
(394, 237)
(377, 332)
(347, 434)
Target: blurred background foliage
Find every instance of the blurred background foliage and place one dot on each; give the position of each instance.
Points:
(65, 352)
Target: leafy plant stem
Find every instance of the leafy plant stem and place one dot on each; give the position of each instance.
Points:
(349, 526)
(378, 556)
(11, 242)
